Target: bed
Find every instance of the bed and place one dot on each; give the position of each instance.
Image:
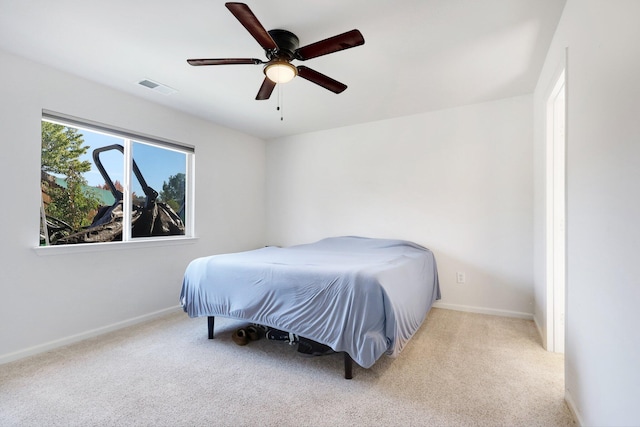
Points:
(361, 296)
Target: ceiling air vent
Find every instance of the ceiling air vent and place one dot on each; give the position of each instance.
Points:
(158, 87)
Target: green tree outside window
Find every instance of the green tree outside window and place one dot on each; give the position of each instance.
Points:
(70, 199)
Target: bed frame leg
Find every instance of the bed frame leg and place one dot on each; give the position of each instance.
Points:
(210, 322)
(348, 366)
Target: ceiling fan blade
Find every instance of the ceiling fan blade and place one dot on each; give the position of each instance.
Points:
(224, 61)
(342, 41)
(246, 17)
(265, 89)
(321, 80)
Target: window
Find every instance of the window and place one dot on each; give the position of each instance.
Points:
(100, 184)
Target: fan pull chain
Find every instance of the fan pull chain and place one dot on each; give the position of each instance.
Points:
(279, 108)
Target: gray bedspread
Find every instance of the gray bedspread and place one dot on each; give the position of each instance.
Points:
(364, 296)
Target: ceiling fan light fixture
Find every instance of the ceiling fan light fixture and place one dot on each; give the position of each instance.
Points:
(281, 47)
(280, 71)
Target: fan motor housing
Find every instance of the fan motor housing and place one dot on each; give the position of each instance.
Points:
(287, 44)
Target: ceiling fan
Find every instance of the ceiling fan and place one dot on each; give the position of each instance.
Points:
(281, 47)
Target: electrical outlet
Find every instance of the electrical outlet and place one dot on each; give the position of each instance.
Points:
(460, 277)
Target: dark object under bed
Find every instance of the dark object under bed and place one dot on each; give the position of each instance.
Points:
(348, 361)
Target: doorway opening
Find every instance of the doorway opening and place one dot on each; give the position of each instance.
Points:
(556, 215)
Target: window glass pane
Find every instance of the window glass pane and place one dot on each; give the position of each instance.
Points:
(158, 191)
(74, 192)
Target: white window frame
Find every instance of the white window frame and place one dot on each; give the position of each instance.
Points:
(128, 137)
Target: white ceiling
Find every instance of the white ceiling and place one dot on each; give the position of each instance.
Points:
(418, 56)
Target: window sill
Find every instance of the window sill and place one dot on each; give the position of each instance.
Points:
(114, 246)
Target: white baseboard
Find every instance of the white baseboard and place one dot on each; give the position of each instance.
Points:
(41, 348)
(484, 310)
(572, 407)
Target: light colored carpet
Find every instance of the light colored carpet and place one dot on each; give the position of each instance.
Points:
(460, 369)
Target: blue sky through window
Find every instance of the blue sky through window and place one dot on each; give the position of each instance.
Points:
(156, 164)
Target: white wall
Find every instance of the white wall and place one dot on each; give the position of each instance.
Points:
(458, 181)
(48, 300)
(603, 207)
